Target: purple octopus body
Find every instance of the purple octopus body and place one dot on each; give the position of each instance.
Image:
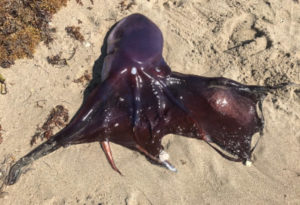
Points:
(140, 100)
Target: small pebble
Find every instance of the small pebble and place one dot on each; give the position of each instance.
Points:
(87, 44)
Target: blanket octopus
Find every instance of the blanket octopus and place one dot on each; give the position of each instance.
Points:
(140, 100)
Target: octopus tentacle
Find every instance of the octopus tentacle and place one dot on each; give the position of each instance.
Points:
(106, 149)
(16, 170)
(162, 160)
(137, 104)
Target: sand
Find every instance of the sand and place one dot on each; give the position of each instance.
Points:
(253, 42)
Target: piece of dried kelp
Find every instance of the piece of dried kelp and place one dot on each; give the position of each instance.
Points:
(23, 24)
(74, 32)
(57, 60)
(58, 117)
(86, 77)
(3, 89)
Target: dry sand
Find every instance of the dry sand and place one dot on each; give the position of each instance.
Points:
(198, 37)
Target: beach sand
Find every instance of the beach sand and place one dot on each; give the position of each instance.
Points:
(253, 42)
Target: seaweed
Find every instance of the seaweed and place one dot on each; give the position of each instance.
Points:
(57, 60)
(86, 77)
(23, 24)
(74, 32)
(126, 4)
(79, 2)
(58, 117)
(3, 89)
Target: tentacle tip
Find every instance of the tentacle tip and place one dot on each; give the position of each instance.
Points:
(10, 182)
(12, 177)
(120, 172)
(248, 163)
(169, 166)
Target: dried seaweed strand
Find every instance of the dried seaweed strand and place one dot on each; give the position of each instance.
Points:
(58, 117)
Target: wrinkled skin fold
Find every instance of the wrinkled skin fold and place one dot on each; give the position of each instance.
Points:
(140, 100)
